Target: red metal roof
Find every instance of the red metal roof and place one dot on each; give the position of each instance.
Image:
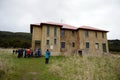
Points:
(66, 26)
(91, 28)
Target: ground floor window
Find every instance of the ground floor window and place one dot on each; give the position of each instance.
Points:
(96, 45)
(62, 44)
(47, 42)
(37, 43)
(87, 45)
(55, 41)
(104, 47)
(73, 44)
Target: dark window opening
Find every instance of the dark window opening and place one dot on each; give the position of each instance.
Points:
(62, 44)
(73, 44)
(55, 31)
(55, 41)
(87, 45)
(47, 42)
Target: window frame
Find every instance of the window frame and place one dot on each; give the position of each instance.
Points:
(62, 45)
(86, 33)
(55, 31)
(55, 41)
(47, 42)
(48, 30)
(87, 45)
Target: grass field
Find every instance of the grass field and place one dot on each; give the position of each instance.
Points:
(59, 68)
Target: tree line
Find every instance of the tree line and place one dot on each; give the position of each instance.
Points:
(15, 40)
(23, 40)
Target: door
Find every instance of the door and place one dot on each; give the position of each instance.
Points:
(104, 47)
(37, 44)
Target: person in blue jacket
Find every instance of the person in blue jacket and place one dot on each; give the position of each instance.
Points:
(47, 56)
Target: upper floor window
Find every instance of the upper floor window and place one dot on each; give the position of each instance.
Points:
(103, 35)
(86, 33)
(87, 44)
(55, 31)
(73, 33)
(62, 33)
(48, 30)
(96, 34)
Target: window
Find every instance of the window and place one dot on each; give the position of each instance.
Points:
(55, 41)
(55, 31)
(48, 30)
(62, 33)
(62, 44)
(96, 34)
(104, 47)
(73, 44)
(96, 45)
(87, 44)
(37, 41)
(86, 33)
(73, 32)
(47, 42)
(102, 34)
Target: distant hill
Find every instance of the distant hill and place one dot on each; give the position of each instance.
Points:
(15, 40)
(23, 40)
(114, 45)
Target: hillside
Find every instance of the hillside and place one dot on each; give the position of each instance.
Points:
(15, 40)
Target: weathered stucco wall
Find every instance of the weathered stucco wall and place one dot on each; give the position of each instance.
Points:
(92, 39)
(39, 33)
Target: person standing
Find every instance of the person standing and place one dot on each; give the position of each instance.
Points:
(47, 56)
(39, 53)
(28, 53)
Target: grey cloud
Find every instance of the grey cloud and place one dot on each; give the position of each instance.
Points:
(17, 15)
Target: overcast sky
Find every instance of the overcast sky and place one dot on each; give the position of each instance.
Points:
(17, 15)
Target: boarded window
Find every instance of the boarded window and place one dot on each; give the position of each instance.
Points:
(62, 44)
(86, 33)
(104, 47)
(55, 31)
(96, 45)
(48, 30)
(87, 44)
(55, 41)
(47, 42)
(62, 33)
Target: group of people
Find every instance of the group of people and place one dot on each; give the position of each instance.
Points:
(26, 53)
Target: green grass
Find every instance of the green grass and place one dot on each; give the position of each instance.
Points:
(26, 68)
(59, 68)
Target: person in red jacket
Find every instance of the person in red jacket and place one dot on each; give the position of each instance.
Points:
(28, 52)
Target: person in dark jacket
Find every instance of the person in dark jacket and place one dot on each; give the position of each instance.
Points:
(39, 52)
(47, 56)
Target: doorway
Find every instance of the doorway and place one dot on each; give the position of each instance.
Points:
(37, 44)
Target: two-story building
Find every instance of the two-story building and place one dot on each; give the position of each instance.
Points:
(63, 39)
